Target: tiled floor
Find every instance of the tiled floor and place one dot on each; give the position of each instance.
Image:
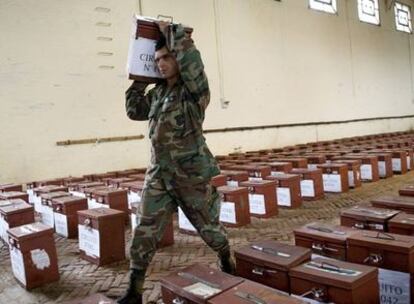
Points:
(80, 278)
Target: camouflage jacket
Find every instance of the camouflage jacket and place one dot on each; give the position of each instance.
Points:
(179, 154)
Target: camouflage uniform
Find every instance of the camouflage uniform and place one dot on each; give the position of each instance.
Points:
(181, 163)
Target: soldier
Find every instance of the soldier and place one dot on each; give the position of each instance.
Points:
(181, 164)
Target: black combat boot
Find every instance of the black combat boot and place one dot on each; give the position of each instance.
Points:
(226, 263)
(133, 294)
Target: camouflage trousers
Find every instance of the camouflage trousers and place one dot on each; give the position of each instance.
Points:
(200, 203)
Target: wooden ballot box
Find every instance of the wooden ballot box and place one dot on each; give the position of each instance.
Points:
(385, 250)
(65, 214)
(354, 171)
(234, 211)
(256, 172)
(134, 191)
(113, 198)
(196, 285)
(369, 166)
(324, 239)
(219, 180)
(33, 255)
(268, 262)
(406, 190)
(234, 177)
(168, 238)
(13, 213)
(287, 190)
(402, 203)
(335, 177)
(101, 235)
(402, 223)
(14, 195)
(11, 187)
(262, 198)
(251, 292)
(384, 163)
(311, 184)
(327, 280)
(366, 217)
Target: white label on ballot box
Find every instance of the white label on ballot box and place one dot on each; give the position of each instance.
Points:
(47, 216)
(255, 179)
(307, 188)
(351, 178)
(40, 258)
(366, 172)
(141, 57)
(89, 240)
(396, 164)
(276, 173)
(134, 222)
(312, 166)
(408, 163)
(394, 286)
(232, 183)
(30, 192)
(228, 212)
(332, 183)
(61, 224)
(78, 194)
(381, 168)
(134, 197)
(3, 229)
(37, 201)
(283, 196)
(257, 204)
(183, 221)
(17, 262)
(92, 203)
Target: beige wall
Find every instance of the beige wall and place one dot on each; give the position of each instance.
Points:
(276, 62)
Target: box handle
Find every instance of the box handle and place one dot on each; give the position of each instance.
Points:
(318, 294)
(323, 248)
(261, 271)
(373, 259)
(178, 301)
(87, 222)
(359, 225)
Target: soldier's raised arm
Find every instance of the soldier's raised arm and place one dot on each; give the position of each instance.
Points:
(189, 61)
(137, 102)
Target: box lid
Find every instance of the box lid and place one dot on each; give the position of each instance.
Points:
(232, 190)
(188, 281)
(407, 190)
(133, 186)
(237, 175)
(283, 176)
(49, 188)
(273, 254)
(107, 191)
(252, 292)
(100, 213)
(380, 240)
(14, 206)
(52, 195)
(365, 213)
(322, 232)
(394, 201)
(11, 194)
(335, 273)
(68, 200)
(402, 220)
(258, 183)
(30, 231)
